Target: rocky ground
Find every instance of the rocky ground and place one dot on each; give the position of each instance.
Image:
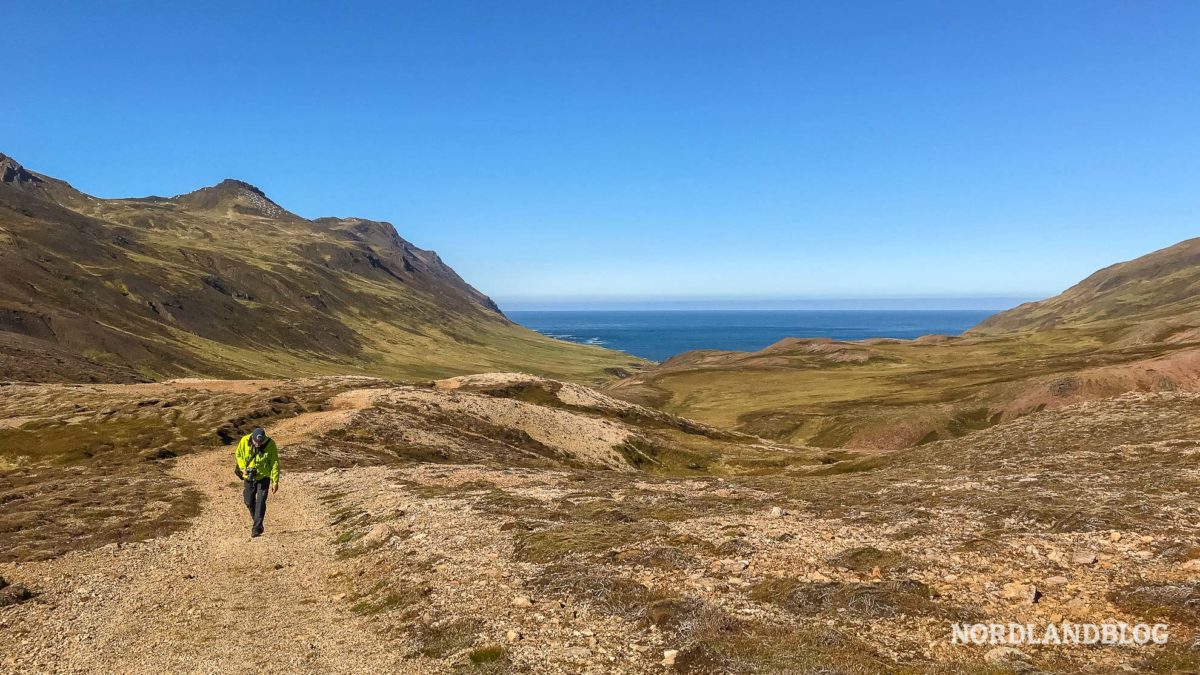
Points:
(509, 523)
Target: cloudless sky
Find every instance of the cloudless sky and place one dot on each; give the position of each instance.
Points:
(623, 150)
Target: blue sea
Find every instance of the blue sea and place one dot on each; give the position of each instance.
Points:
(658, 335)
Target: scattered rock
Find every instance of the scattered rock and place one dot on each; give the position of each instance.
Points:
(512, 636)
(1006, 656)
(669, 657)
(1114, 537)
(13, 594)
(735, 546)
(578, 653)
(1084, 558)
(1055, 581)
(522, 601)
(1191, 565)
(730, 566)
(1026, 593)
(776, 512)
(377, 535)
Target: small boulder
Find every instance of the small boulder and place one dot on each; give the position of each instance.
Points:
(13, 594)
(1006, 656)
(1024, 593)
(522, 601)
(512, 636)
(377, 535)
(1056, 581)
(669, 657)
(776, 512)
(1084, 558)
(578, 653)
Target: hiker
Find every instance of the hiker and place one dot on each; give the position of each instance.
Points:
(258, 467)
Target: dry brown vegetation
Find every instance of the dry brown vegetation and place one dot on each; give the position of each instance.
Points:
(864, 572)
(470, 531)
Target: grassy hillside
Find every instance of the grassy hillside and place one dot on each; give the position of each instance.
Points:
(1130, 327)
(1162, 288)
(224, 282)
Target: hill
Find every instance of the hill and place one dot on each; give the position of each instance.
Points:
(1161, 288)
(223, 281)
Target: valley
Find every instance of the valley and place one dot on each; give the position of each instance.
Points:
(1134, 327)
(461, 494)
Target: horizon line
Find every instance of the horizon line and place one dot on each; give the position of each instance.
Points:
(961, 303)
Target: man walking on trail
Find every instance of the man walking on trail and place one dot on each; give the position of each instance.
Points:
(258, 467)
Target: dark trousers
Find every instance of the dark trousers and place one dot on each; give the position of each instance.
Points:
(254, 493)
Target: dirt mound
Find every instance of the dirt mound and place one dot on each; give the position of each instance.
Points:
(588, 440)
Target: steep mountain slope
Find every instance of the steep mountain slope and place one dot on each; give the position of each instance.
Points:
(224, 281)
(1163, 286)
(1130, 327)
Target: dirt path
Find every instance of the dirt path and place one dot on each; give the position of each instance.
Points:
(208, 599)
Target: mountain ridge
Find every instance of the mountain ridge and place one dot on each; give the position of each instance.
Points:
(223, 281)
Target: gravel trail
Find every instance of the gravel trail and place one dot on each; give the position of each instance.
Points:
(208, 599)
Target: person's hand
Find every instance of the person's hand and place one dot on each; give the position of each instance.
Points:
(274, 488)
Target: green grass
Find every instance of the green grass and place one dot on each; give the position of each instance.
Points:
(485, 655)
(905, 394)
(389, 598)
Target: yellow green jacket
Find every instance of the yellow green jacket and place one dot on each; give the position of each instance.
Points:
(266, 461)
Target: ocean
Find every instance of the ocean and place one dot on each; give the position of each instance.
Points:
(657, 335)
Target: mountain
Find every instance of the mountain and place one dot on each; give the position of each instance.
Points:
(224, 282)
(1163, 286)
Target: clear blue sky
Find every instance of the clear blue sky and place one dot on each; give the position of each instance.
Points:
(568, 149)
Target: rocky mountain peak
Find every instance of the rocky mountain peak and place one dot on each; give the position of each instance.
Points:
(233, 194)
(235, 185)
(11, 172)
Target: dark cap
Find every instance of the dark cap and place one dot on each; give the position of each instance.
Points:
(258, 436)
